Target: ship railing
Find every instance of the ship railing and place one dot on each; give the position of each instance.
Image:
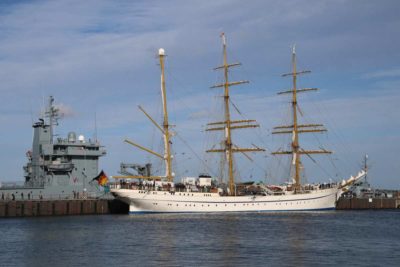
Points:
(18, 187)
(136, 186)
(28, 196)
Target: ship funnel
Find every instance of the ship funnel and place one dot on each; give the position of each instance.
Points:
(161, 52)
(71, 137)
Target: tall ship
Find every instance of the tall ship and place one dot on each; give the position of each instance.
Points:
(161, 194)
(58, 168)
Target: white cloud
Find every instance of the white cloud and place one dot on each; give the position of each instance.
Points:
(391, 73)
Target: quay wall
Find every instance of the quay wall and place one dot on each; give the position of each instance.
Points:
(367, 203)
(32, 208)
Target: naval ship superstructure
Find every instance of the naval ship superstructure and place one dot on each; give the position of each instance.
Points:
(58, 168)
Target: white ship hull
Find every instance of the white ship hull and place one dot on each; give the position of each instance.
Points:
(143, 201)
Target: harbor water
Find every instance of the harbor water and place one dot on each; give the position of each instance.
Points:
(334, 238)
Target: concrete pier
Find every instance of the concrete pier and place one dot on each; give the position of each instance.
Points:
(367, 203)
(31, 208)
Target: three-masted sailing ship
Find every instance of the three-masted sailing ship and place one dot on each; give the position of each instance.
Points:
(159, 193)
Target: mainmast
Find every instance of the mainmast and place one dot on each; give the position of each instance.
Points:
(228, 125)
(296, 128)
(164, 130)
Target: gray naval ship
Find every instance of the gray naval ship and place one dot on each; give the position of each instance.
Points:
(58, 168)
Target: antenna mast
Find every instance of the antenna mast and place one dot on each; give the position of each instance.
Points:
(365, 166)
(52, 114)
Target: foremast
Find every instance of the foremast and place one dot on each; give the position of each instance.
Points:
(167, 157)
(167, 143)
(227, 125)
(297, 128)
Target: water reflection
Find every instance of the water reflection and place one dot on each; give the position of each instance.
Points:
(242, 239)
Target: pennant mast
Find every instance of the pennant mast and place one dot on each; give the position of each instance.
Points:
(228, 125)
(296, 128)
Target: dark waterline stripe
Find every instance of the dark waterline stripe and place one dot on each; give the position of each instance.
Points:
(255, 211)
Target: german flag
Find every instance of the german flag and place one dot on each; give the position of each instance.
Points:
(102, 178)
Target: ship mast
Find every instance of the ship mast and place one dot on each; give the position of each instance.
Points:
(164, 130)
(52, 114)
(167, 145)
(228, 125)
(296, 128)
(365, 167)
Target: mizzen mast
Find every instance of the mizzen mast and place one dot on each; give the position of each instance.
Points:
(297, 128)
(227, 125)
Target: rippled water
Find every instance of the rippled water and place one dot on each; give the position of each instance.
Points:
(362, 238)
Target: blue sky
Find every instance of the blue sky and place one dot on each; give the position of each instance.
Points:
(99, 57)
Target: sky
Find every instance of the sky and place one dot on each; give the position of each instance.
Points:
(99, 60)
